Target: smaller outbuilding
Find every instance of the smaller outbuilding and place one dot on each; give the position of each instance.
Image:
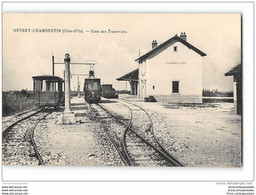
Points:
(132, 78)
(236, 72)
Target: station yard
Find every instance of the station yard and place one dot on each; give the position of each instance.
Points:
(206, 135)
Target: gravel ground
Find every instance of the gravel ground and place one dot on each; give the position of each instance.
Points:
(202, 135)
(82, 144)
(8, 120)
(206, 135)
(16, 146)
(139, 152)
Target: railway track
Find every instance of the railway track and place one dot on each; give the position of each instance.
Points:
(115, 131)
(136, 141)
(9, 121)
(142, 127)
(18, 145)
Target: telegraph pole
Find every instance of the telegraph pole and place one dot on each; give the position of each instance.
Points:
(78, 87)
(52, 65)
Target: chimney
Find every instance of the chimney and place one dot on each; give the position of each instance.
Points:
(183, 36)
(154, 44)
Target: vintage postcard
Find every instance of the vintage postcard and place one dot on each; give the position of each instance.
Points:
(122, 89)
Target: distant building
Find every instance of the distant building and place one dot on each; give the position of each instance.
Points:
(171, 71)
(236, 72)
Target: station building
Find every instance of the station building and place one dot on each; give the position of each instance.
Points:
(171, 71)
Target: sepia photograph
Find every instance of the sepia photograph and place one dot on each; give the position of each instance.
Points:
(122, 89)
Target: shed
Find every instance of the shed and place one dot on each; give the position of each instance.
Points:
(236, 72)
(132, 78)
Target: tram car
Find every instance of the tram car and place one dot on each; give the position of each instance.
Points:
(92, 88)
(48, 91)
(108, 91)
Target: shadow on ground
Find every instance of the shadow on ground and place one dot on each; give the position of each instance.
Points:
(107, 101)
(77, 104)
(81, 114)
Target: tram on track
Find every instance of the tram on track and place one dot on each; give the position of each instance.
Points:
(92, 88)
(108, 91)
(48, 90)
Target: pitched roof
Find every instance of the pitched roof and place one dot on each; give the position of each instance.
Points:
(131, 76)
(236, 70)
(168, 43)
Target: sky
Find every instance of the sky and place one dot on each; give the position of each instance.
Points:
(27, 52)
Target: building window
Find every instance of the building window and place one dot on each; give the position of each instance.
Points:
(95, 86)
(175, 87)
(153, 86)
(175, 48)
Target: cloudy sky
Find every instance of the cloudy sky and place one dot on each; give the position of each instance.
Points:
(26, 54)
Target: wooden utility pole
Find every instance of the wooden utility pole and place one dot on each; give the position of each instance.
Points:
(78, 87)
(52, 65)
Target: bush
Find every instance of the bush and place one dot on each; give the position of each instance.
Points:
(17, 101)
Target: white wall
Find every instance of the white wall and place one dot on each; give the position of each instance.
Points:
(161, 71)
(142, 77)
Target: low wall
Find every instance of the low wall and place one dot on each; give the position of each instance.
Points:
(179, 98)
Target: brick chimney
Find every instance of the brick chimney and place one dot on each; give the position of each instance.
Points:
(183, 36)
(154, 44)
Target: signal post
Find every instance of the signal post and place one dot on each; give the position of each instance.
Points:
(68, 117)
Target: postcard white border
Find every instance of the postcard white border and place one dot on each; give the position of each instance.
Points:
(77, 174)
